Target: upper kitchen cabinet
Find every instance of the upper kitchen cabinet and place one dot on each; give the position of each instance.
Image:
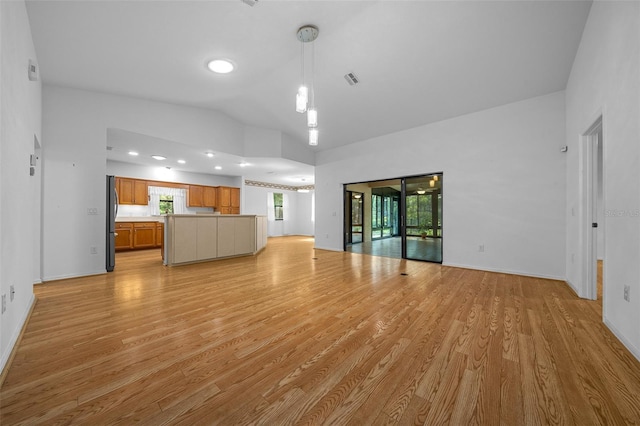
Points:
(209, 196)
(224, 196)
(201, 196)
(132, 191)
(235, 198)
(228, 200)
(195, 196)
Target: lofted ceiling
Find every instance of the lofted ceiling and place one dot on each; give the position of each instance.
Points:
(417, 61)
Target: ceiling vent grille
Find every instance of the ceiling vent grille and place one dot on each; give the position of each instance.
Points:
(351, 79)
(250, 2)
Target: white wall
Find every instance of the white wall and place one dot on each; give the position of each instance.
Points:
(75, 126)
(20, 123)
(298, 221)
(504, 184)
(137, 171)
(605, 79)
(118, 168)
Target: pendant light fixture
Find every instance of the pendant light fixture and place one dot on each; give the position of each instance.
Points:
(305, 99)
(313, 136)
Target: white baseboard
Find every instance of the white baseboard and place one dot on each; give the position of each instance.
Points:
(67, 276)
(634, 350)
(16, 333)
(504, 271)
(573, 287)
(327, 248)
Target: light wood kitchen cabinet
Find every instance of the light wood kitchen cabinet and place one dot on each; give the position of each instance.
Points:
(228, 200)
(195, 196)
(124, 237)
(224, 197)
(235, 198)
(144, 234)
(201, 196)
(132, 191)
(209, 196)
(159, 234)
(139, 235)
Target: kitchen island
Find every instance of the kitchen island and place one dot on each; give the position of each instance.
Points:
(192, 238)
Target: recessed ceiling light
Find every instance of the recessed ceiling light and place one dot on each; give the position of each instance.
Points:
(210, 154)
(221, 66)
(181, 161)
(218, 168)
(133, 153)
(244, 164)
(158, 157)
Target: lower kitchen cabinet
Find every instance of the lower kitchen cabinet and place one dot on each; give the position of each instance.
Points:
(144, 235)
(124, 236)
(139, 235)
(159, 234)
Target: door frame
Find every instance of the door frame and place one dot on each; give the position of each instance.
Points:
(589, 208)
(401, 220)
(348, 221)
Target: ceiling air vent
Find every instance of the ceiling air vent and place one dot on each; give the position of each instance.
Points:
(250, 2)
(351, 79)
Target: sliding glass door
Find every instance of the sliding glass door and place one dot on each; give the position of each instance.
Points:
(354, 217)
(399, 217)
(385, 217)
(422, 236)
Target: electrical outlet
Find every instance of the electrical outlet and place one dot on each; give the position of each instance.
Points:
(481, 248)
(12, 293)
(94, 250)
(626, 293)
(4, 303)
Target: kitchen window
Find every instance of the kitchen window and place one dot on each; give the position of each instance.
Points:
(278, 206)
(166, 204)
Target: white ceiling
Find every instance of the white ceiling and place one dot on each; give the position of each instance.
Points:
(418, 61)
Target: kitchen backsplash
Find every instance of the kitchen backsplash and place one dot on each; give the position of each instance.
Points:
(130, 210)
(127, 210)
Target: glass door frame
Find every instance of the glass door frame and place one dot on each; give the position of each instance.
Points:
(348, 218)
(402, 213)
(436, 178)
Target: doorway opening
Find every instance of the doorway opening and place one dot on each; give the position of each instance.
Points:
(399, 218)
(592, 228)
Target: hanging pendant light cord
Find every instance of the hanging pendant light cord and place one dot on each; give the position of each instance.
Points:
(302, 62)
(312, 100)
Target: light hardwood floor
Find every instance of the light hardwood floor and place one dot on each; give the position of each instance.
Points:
(297, 336)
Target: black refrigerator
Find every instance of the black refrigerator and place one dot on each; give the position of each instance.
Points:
(111, 213)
